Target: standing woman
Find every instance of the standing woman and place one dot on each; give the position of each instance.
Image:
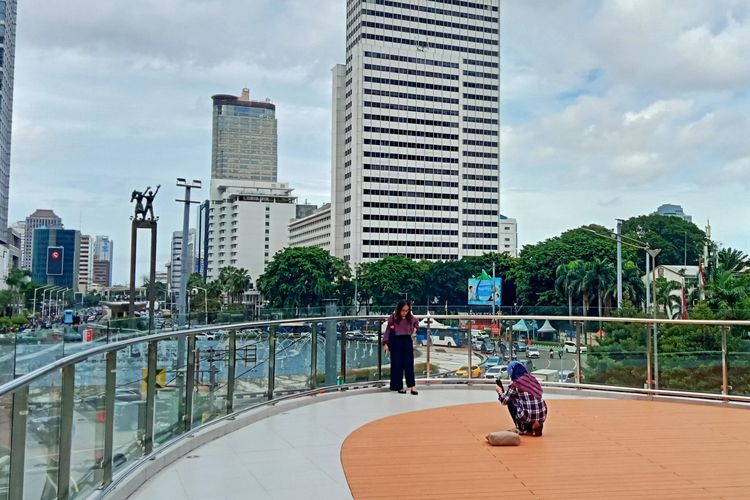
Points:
(398, 341)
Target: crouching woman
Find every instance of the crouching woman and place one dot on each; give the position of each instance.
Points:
(524, 400)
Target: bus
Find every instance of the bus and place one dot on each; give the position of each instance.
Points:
(68, 316)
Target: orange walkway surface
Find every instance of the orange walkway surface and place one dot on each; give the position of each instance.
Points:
(601, 449)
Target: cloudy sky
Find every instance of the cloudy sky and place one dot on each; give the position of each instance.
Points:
(610, 108)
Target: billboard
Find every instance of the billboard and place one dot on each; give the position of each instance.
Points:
(55, 261)
(482, 289)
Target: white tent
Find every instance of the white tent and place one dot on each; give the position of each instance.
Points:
(434, 324)
(547, 328)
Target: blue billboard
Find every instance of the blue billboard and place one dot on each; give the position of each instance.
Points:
(483, 289)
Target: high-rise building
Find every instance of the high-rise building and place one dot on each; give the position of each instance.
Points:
(416, 120)
(85, 263)
(41, 218)
(55, 259)
(508, 236)
(670, 210)
(7, 63)
(102, 264)
(312, 230)
(244, 143)
(177, 258)
(248, 224)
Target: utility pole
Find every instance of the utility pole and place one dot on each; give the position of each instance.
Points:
(653, 252)
(184, 258)
(494, 292)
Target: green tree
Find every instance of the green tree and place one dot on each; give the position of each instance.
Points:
(567, 277)
(727, 291)
(234, 282)
(390, 279)
(675, 237)
(303, 276)
(732, 260)
(598, 277)
(665, 298)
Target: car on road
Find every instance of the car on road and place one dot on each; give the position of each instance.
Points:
(496, 372)
(571, 347)
(488, 346)
(532, 352)
(206, 336)
(492, 361)
(520, 346)
(567, 376)
(463, 371)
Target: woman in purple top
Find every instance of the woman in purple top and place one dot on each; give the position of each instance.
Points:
(398, 341)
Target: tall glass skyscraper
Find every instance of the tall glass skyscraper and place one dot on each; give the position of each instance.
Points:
(244, 139)
(7, 59)
(416, 121)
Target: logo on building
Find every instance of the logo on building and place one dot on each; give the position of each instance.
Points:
(55, 261)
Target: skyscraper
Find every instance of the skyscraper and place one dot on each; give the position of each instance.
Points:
(7, 63)
(177, 256)
(244, 138)
(56, 257)
(85, 263)
(103, 258)
(40, 218)
(416, 164)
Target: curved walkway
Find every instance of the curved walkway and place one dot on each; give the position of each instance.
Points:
(590, 449)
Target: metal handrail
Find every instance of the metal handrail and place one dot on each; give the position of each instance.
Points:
(19, 388)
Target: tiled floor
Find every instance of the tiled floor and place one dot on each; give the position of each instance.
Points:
(593, 449)
(292, 455)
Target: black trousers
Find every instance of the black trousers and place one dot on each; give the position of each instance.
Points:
(401, 348)
(519, 425)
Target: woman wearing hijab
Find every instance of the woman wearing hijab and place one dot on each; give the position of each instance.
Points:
(524, 400)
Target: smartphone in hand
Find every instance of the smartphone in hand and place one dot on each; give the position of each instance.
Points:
(499, 383)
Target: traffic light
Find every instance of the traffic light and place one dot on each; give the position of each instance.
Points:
(55, 261)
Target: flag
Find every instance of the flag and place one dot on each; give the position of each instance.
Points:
(701, 275)
(684, 303)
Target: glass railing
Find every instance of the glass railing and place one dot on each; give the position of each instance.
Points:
(72, 421)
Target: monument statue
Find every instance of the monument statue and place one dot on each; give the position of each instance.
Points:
(137, 196)
(141, 210)
(150, 202)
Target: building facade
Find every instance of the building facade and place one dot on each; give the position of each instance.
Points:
(312, 230)
(103, 258)
(248, 224)
(176, 263)
(508, 236)
(673, 211)
(7, 65)
(244, 145)
(85, 263)
(41, 218)
(415, 153)
(55, 259)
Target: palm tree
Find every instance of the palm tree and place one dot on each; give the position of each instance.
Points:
(726, 291)
(598, 277)
(732, 260)
(567, 277)
(665, 297)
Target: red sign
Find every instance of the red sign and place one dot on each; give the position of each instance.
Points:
(88, 335)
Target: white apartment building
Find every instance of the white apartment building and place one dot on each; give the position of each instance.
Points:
(508, 236)
(313, 230)
(85, 264)
(248, 224)
(176, 252)
(415, 146)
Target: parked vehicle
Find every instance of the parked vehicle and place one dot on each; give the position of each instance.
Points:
(520, 346)
(492, 361)
(488, 346)
(567, 376)
(497, 371)
(463, 371)
(545, 375)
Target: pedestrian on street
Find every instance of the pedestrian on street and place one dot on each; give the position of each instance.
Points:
(397, 341)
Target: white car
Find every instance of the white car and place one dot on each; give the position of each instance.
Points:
(532, 352)
(497, 371)
(206, 336)
(571, 347)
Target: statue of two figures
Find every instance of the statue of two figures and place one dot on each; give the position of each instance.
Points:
(141, 210)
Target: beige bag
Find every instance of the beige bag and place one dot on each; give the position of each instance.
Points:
(503, 438)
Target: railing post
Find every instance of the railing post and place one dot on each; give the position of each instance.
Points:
(427, 342)
(66, 431)
(271, 361)
(579, 333)
(314, 356)
(189, 383)
(109, 416)
(231, 369)
(343, 352)
(649, 357)
(380, 350)
(148, 437)
(18, 442)
(469, 346)
(724, 362)
(656, 357)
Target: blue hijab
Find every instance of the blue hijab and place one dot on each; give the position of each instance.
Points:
(516, 370)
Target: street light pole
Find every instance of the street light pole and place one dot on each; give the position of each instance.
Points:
(653, 252)
(33, 305)
(194, 291)
(619, 264)
(184, 258)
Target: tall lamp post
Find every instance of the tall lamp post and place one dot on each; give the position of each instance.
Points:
(653, 252)
(194, 291)
(185, 258)
(33, 305)
(49, 300)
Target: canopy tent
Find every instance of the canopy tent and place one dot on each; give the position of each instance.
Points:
(434, 324)
(547, 328)
(520, 327)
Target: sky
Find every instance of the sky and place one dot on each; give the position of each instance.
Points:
(609, 108)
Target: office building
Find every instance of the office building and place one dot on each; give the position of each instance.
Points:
(10, 254)
(508, 236)
(312, 230)
(7, 63)
(415, 146)
(672, 211)
(85, 263)
(41, 218)
(244, 145)
(249, 223)
(102, 262)
(55, 259)
(176, 267)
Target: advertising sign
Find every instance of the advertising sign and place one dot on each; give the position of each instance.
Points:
(481, 291)
(55, 261)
